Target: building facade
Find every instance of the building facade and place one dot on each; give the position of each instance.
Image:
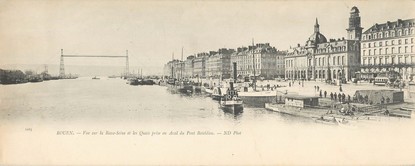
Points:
(260, 60)
(388, 47)
(219, 64)
(171, 70)
(319, 59)
(188, 67)
(199, 65)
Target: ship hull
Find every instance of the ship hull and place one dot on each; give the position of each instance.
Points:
(234, 107)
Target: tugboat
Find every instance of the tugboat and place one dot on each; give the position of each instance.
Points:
(231, 102)
(95, 78)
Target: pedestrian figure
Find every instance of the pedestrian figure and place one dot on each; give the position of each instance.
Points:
(343, 97)
(325, 94)
(348, 98)
(331, 95)
(340, 97)
(315, 88)
(341, 90)
(289, 84)
(321, 94)
(382, 100)
(318, 88)
(335, 96)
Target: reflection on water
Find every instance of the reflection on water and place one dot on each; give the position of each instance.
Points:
(110, 104)
(111, 100)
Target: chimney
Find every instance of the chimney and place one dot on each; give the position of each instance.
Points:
(234, 72)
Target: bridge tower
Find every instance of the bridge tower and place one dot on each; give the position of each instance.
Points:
(62, 66)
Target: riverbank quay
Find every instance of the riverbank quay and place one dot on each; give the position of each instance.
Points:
(273, 91)
(328, 116)
(308, 87)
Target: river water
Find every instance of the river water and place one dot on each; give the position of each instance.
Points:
(32, 114)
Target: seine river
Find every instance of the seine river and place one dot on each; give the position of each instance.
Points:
(32, 115)
(112, 100)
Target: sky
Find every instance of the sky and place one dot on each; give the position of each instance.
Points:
(33, 32)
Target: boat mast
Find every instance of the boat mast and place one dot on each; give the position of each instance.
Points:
(181, 66)
(172, 65)
(253, 62)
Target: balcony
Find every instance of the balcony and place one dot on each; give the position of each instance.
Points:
(398, 65)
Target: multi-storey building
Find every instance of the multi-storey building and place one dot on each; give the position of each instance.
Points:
(267, 60)
(388, 47)
(240, 58)
(170, 69)
(280, 64)
(188, 67)
(219, 64)
(199, 65)
(320, 59)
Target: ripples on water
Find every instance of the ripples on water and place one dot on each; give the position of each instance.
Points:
(112, 100)
(111, 104)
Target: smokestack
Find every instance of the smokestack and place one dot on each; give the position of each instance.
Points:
(234, 72)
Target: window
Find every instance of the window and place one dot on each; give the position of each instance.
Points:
(406, 49)
(342, 60)
(406, 41)
(364, 52)
(380, 34)
(374, 44)
(368, 45)
(386, 43)
(380, 51)
(380, 60)
(412, 40)
(369, 61)
(393, 50)
(399, 41)
(374, 60)
(338, 60)
(399, 50)
(393, 34)
(386, 34)
(412, 49)
(369, 52)
(386, 50)
(393, 60)
(380, 44)
(374, 52)
(364, 37)
(323, 61)
(334, 60)
(386, 60)
(364, 45)
(393, 42)
(364, 61)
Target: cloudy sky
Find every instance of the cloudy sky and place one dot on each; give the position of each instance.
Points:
(33, 32)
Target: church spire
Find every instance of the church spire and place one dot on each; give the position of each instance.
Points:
(316, 26)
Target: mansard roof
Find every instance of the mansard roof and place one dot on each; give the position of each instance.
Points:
(391, 25)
